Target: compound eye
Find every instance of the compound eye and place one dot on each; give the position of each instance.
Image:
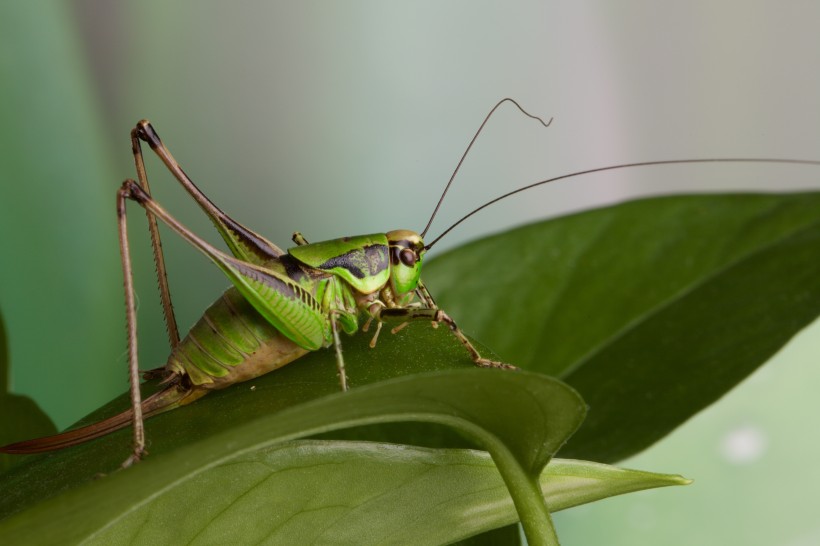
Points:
(407, 257)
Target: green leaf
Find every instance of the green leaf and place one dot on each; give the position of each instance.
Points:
(652, 309)
(520, 418)
(509, 535)
(29, 420)
(307, 492)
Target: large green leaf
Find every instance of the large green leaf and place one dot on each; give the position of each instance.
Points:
(652, 309)
(520, 418)
(308, 492)
(509, 535)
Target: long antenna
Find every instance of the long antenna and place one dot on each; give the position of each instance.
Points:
(623, 166)
(464, 155)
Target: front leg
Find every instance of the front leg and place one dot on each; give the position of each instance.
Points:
(404, 314)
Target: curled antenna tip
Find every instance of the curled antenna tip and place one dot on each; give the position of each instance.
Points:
(470, 145)
(523, 111)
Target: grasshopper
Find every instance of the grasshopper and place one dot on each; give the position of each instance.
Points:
(282, 304)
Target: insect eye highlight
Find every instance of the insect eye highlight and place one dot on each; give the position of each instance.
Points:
(408, 257)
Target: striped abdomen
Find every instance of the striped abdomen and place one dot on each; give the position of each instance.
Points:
(229, 344)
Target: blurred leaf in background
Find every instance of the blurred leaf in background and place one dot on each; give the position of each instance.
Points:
(22, 417)
(58, 283)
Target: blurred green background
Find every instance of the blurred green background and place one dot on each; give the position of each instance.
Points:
(338, 118)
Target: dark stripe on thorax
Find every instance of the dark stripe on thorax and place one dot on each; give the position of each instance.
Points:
(371, 256)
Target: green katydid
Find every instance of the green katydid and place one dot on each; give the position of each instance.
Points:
(283, 304)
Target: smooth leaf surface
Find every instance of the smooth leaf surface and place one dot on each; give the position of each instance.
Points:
(417, 348)
(652, 309)
(521, 418)
(509, 535)
(308, 492)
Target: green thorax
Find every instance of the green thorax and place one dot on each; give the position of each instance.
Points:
(362, 261)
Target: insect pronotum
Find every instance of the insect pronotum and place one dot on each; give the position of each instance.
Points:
(283, 304)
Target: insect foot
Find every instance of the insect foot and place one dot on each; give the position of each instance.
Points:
(487, 363)
(478, 360)
(135, 457)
